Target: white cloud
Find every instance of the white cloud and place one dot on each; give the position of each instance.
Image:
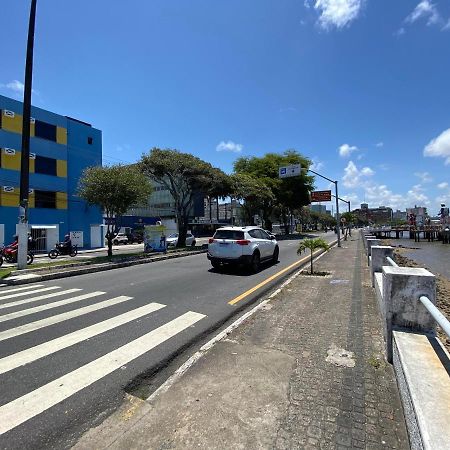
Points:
(288, 109)
(381, 195)
(316, 165)
(336, 13)
(229, 146)
(379, 144)
(346, 150)
(354, 177)
(424, 177)
(424, 10)
(439, 146)
(446, 26)
(443, 185)
(401, 31)
(15, 86)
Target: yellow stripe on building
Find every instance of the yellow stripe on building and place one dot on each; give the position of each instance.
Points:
(61, 135)
(61, 200)
(61, 168)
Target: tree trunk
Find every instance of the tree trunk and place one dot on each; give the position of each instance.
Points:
(217, 209)
(110, 244)
(183, 224)
(210, 210)
(312, 261)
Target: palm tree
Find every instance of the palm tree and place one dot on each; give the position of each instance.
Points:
(312, 245)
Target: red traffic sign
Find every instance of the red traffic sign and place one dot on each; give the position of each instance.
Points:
(320, 196)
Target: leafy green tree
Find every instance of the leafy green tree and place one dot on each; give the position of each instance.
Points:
(349, 217)
(288, 193)
(312, 245)
(254, 194)
(219, 186)
(184, 175)
(115, 189)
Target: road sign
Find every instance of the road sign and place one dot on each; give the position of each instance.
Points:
(320, 196)
(290, 171)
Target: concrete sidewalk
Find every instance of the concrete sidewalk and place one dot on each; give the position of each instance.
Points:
(306, 371)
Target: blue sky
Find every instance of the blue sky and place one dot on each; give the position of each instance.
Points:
(359, 86)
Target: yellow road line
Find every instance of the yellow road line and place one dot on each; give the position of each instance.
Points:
(268, 280)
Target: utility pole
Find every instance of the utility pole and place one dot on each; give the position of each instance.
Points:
(22, 228)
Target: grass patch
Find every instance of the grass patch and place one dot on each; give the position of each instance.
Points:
(5, 272)
(375, 362)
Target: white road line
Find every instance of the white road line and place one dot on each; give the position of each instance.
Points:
(22, 288)
(21, 294)
(36, 309)
(35, 402)
(40, 297)
(47, 348)
(32, 326)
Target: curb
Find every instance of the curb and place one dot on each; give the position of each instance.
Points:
(95, 268)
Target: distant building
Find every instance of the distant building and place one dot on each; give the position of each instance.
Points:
(420, 212)
(380, 215)
(399, 215)
(322, 209)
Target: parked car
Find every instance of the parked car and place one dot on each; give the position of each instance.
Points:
(242, 245)
(121, 238)
(172, 240)
(136, 237)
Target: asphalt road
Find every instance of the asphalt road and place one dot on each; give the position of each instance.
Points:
(69, 347)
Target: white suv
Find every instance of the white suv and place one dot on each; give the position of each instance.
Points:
(242, 245)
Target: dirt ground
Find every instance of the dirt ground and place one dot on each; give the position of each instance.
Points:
(442, 290)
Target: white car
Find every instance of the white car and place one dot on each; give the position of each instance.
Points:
(172, 240)
(242, 245)
(121, 238)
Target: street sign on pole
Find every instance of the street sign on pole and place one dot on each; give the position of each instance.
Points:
(321, 196)
(293, 170)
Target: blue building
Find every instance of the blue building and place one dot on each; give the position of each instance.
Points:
(60, 149)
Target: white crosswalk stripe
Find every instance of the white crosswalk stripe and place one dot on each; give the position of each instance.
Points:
(39, 399)
(39, 297)
(39, 351)
(35, 402)
(21, 288)
(33, 326)
(36, 309)
(21, 294)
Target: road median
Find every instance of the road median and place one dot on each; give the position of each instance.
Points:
(73, 269)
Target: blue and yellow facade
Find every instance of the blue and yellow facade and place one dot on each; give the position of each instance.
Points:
(60, 149)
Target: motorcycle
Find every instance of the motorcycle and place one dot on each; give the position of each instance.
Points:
(9, 254)
(62, 250)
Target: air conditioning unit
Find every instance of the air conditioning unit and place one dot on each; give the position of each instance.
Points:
(8, 188)
(9, 114)
(32, 155)
(10, 151)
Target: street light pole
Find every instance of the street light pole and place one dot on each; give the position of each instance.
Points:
(338, 228)
(25, 155)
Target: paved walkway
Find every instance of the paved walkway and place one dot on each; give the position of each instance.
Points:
(306, 371)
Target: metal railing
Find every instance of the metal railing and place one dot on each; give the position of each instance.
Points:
(391, 261)
(437, 315)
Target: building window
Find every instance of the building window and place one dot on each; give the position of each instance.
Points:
(45, 199)
(44, 165)
(45, 130)
(90, 140)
